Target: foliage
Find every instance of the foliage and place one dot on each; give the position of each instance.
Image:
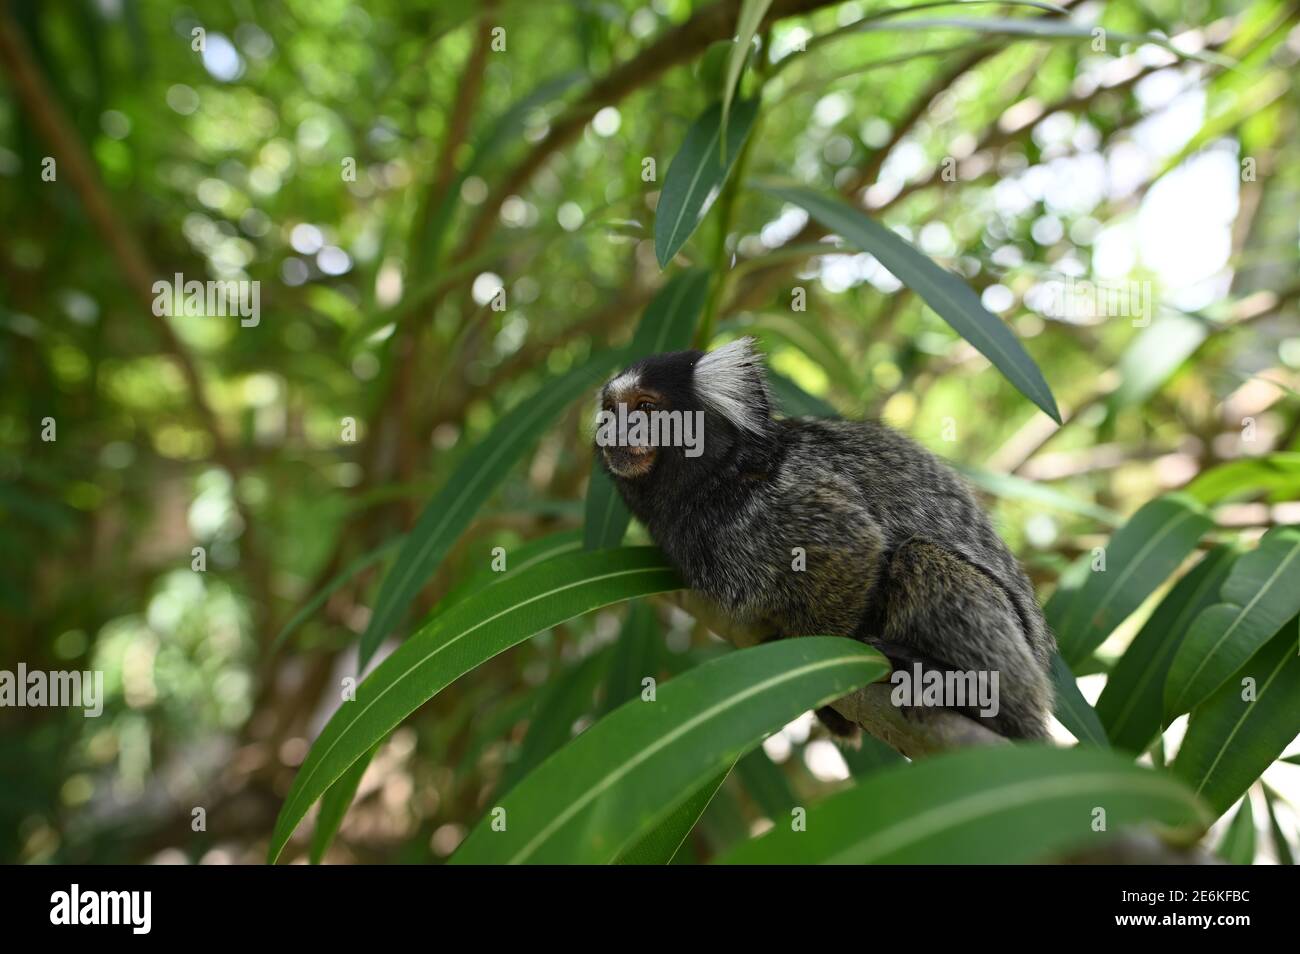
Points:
(353, 551)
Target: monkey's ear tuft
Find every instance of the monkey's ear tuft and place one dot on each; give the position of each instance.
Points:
(732, 381)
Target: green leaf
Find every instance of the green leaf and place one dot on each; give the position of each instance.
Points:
(620, 778)
(336, 801)
(1238, 844)
(1072, 710)
(1131, 705)
(869, 756)
(1153, 356)
(1011, 487)
(1281, 847)
(1039, 28)
(334, 805)
(1261, 593)
(950, 297)
(338, 798)
(794, 401)
(606, 517)
(568, 697)
(661, 844)
(517, 560)
(996, 805)
(1138, 559)
(696, 173)
(475, 630)
(774, 329)
(767, 785)
(330, 588)
(1277, 473)
(480, 472)
(1230, 740)
(634, 657)
(667, 325)
(747, 24)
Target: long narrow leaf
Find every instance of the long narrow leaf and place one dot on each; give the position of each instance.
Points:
(1072, 709)
(999, 805)
(634, 659)
(479, 628)
(1238, 844)
(1248, 722)
(452, 508)
(1261, 593)
(950, 297)
(624, 775)
(1277, 473)
(662, 843)
(696, 174)
(568, 696)
(330, 588)
(1132, 703)
(766, 784)
(1138, 559)
(335, 802)
(747, 24)
(1281, 847)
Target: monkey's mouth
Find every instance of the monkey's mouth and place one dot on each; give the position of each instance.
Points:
(629, 462)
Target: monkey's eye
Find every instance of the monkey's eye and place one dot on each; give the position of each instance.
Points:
(646, 406)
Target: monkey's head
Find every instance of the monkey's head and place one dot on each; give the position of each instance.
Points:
(678, 417)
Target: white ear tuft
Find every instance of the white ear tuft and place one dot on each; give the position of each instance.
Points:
(730, 379)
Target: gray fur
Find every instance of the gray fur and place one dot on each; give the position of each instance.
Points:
(898, 551)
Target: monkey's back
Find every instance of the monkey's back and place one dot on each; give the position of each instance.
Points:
(909, 494)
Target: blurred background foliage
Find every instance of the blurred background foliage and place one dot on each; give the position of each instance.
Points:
(1012, 160)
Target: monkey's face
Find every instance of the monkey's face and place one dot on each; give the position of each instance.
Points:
(645, 412)
(676, 417)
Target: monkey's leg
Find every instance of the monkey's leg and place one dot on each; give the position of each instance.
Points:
(955, 619)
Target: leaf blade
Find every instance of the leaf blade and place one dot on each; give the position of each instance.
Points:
(997, 805)
(695, 173)
(499, 617)
(1260, 594)
(950, 297)
(747, 24)
(623, 775)
(447, 514)
(661, 845)
(1072, 710)
(1231, 740)
(1131, 704)
(1139, 557)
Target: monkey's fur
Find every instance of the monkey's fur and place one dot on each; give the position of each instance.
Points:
(898, 552)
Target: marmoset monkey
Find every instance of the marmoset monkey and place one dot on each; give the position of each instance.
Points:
(801, 526)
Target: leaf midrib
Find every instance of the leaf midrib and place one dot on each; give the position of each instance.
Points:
(1245, 611)
(690, 191)
(1205, 779)
(342, 732)
(1132, 565)
(990, 802)
(622, 770)
(500, 448)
